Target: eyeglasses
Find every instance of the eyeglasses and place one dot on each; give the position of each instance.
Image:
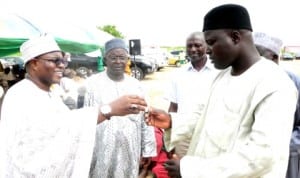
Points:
(57, 61)
(114, 58)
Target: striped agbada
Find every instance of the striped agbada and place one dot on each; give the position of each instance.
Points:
(120, 143)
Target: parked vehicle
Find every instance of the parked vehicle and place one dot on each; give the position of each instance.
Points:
(11, 71)
(83, 62)
(297, 55)
(160, 61)
(141, 66)
(176, 58)
(158, 55)
(287, 56)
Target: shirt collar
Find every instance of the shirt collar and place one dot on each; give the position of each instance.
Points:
(208, 66)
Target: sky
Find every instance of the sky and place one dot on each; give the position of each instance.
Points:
(160, 22)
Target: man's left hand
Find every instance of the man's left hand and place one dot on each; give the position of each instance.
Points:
(173, 168)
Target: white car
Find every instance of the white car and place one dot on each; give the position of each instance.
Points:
(158, 58)
(287, 56)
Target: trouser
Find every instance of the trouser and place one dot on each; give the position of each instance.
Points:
(293, 170)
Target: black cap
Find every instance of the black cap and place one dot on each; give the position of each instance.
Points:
(228, 16)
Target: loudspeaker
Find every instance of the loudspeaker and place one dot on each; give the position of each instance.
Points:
(135, 47)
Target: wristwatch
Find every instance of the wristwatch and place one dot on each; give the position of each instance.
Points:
(106, 110)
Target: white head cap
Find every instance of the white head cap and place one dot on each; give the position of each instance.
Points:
(271, 43)
(37, 46)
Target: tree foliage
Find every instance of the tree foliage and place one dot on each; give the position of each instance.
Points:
(111, 29)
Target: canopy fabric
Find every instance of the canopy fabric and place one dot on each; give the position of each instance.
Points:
(14, 30)
(10, 46)
(76, 47)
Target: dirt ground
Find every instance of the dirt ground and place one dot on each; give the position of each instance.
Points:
(156, 86)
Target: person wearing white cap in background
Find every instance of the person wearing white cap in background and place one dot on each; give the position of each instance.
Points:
(120, 143)
(269, 47)
(39, 135)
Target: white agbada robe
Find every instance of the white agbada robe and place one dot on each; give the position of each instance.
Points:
(245, 129)
(41, 137)
(122, 140)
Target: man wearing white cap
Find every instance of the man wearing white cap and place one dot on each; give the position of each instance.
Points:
(269, 47)
(39, 135)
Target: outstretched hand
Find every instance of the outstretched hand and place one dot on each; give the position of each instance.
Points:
(128, 104)
(157, 118)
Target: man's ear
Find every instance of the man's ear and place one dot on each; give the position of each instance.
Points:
(235, 36)
(34, 64)
(275, 56)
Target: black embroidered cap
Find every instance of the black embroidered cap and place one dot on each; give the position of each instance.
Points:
(228, 16)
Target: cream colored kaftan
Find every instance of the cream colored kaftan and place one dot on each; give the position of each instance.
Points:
(245, 130)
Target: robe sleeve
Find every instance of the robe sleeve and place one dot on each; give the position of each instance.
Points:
(148, 140)
(183, 125)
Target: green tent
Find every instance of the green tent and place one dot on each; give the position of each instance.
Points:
(10, 46)
(14, 30)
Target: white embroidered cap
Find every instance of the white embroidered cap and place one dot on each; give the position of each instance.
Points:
(271, 43)
(37, 46)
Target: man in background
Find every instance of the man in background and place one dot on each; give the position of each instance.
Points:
(193, 78)
(269, 47)
(120, 143)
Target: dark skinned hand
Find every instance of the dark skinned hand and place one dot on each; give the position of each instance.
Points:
(128, 104)
(173, 168)
(158, 118)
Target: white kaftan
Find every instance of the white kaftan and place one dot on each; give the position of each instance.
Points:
(245, 130)
(122, 140)
(41, 137)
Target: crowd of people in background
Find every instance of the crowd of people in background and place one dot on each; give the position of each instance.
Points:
(232, 111)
